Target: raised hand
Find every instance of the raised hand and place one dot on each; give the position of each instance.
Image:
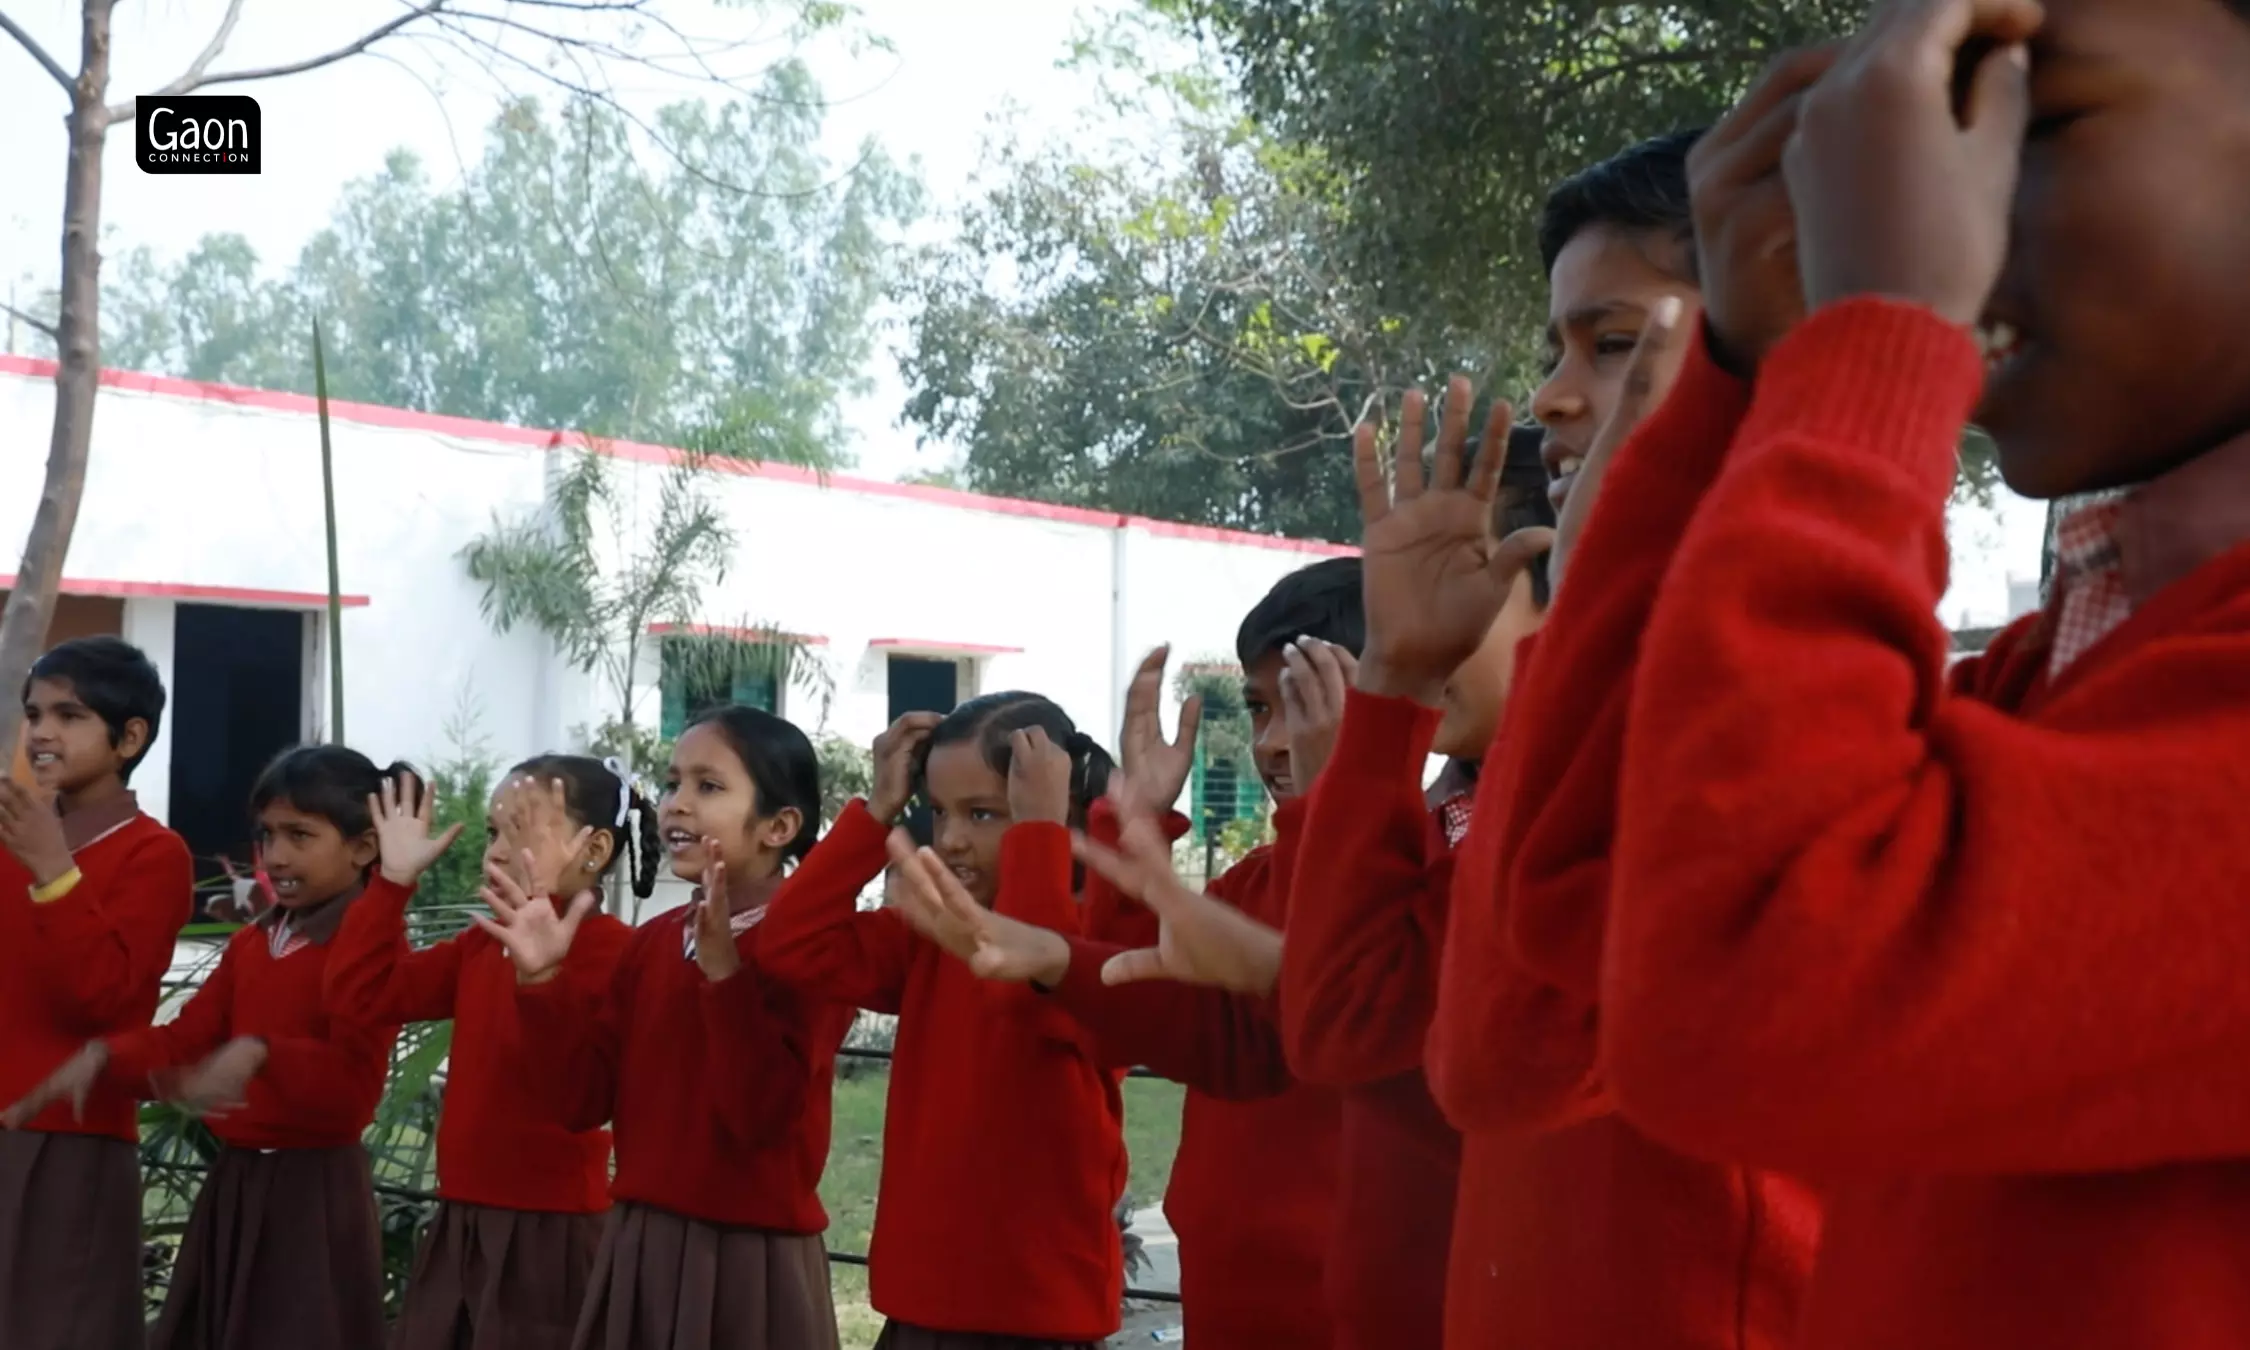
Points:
(1038, 778)
(536, 828)
(1199, 940)
(1314, 676)
(31, 829)
(533, 933)
(715, 953)
(1898, 189)
(1656, 361)
(1158, 769)
(72, 1081)
(995, 947)
(221, 1083)
(1434, 576)
(403, 833)
(1745, 232)
(894, 763)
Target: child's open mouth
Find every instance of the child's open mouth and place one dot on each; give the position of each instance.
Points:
(287, 888)
(680, 841)
(2001, 343)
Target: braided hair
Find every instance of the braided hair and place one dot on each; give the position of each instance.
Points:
(596, 796)
(990, 719)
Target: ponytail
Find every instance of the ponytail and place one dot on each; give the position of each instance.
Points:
(992, 718)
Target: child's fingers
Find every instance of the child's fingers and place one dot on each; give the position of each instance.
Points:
(1132, 967)
(1492, 452)
(452, 832)
(1367, 474)
(1191, 721)
(1453, 433)
(491, 929)
(1406, 455)
(582, 906)
(1108, 863)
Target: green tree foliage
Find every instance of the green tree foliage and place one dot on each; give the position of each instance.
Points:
(1162, 329)
(718, 293)
(1445, 123)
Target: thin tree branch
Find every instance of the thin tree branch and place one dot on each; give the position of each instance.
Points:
(34, 320)
(193, 81)
(37, 53)
(120, 111)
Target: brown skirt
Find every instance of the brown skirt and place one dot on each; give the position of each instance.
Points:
(903, 1336)
(665, 1282)
(70, 1242)
(283, 1251)
(498, 1279)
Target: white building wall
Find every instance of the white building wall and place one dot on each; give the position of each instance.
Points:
(194, 487)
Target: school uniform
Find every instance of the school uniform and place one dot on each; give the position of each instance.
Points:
(90, 963)
(719, 1098)
(505, 1260)
(1358, 983)
(283, 1248)
(1574, 1228)
(1964, 944)
(1003, 1160)
(1254, 1184)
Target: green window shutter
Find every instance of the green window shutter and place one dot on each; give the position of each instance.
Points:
(1196, 792)
(760, 689)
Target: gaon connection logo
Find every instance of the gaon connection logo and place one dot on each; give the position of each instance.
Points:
(196, 133)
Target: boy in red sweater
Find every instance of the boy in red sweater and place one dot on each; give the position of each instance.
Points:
(1573, 1229)
(1966, 942)
(92, 898)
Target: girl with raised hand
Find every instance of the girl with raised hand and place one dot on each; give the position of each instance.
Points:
(504, 1263)
(716, 1078)
(1002, 1158)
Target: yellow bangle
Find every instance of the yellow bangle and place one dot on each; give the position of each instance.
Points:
(58, 888)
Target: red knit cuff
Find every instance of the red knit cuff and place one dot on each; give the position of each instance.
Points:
(1382, 737)
(1082, 978)
(1883, 377)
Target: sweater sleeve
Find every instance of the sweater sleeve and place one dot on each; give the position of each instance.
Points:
(202, 1025)
(1513, 1040)
(816, 938)
(374, 976)
(573, 1029)
(105, 945)
(1865, 924)
(1035, 877)
(1366, 904)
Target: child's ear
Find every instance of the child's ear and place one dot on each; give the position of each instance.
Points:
(776, 830)
(133, 739)
(600, 849)
(365, 850)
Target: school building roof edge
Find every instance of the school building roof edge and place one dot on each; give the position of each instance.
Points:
(376, 415)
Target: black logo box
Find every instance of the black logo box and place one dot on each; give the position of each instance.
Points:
(197, 133)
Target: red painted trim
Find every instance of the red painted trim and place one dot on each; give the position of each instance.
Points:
(374, 415)
(947, 648)
(177, 590)
(738, 634)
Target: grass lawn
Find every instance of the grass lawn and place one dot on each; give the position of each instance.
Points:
(855, 1159)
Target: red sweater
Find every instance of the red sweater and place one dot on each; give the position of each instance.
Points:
(1358, 982)
(1002, 1154)
(720, 1093)
(323, 1076)
(1977, 937)
(1575, 1229)
(1253, 1190)
(88, 965)
(494, 1146)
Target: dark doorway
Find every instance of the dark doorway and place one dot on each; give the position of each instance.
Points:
(237, 701)
(922, 684)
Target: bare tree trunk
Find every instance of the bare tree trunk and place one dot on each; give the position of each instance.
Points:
(31, 603)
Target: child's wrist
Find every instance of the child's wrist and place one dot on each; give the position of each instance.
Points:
(528, 978)
(399, 876)
(49, 888)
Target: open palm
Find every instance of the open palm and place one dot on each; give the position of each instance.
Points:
(1159, 768)
(1435, 576)
(402, 832)
(1200, 940)
(534, 934)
